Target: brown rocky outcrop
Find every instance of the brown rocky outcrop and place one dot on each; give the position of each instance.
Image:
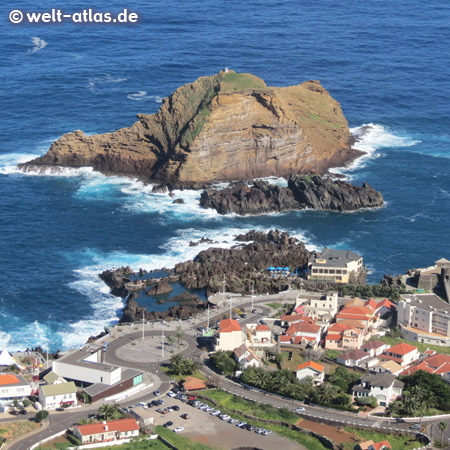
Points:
(226, 126)
(160, 288)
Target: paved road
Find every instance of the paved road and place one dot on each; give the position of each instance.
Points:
(162, 381)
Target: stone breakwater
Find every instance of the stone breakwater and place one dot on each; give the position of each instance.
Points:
(227, 126)
(303, 192)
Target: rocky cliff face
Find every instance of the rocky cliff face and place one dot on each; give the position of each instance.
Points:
(303, 191)
(227, 126)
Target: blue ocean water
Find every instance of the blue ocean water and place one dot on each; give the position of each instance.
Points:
(387, 63)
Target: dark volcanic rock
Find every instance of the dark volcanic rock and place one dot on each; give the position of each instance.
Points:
(303, 191)
(242, 199)
(163, 287)
(245, 264)
(179, 201)
(315, 192)
(203, 240)
(116, 280)
(133, 312)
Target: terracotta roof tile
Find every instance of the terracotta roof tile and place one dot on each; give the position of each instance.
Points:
(8, 378)
(311, 364)
(121, 425)
(229, 325)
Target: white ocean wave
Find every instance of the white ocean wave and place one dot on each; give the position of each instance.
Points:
(107, 78)
(142, 95)
(38, 43)
(370, 139)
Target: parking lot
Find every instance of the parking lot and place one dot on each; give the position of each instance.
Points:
(210, 430)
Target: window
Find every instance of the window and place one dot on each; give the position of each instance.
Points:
(332, 271)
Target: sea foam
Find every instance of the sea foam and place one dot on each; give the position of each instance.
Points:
(39, 44)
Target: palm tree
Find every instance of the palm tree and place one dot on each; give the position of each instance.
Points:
(327, 392)
(179, 334)
(171, 341)
(442, 427)
(108, 410)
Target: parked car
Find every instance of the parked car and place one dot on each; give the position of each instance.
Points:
(299, 409)
(209, 409)
(171, 394)
(175, 407)
(178, 429)
(241, 424)
(251, 427)
(233, 421)
(224, 417)
(160, 402)
(416, 426)
(168, 409)
(260, 430)
(185, 416)
(162, 411)
(24, 411)
(254, 311)
(266, 432)
(157, 392)
(168, 424)
(244, 316)
(215, 413)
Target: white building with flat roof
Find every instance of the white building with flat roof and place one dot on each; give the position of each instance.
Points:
(424, 318)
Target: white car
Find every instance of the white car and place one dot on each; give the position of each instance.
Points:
(215, 413)
(233, 421)
(178, 429)
(171, 394)
(266, 432)
(299, 409)
(260, 430)
(241, 424)
(225, 417)
(209, 409)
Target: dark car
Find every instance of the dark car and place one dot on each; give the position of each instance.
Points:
(161, 411)
(23, 411)
(185, 416)
(175, 407)
(244, 316)
(157, 392)
(168, 424)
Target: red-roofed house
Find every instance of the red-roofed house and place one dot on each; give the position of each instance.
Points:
(375, 348)
(342, 336)
(231, 335)
(106, 431)
(13, 387)
(364, 314)
(370, 445)
(306, 328)
(438, 364)
(245, 357)
(311, 369)
(404, 354)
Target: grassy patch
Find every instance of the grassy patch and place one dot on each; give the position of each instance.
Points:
(233, 82)
(316, 118)
(420, 345)
(180, 441)
(292, 362)
(178, 378)
(11, 430)
(332, 354)
(229, 403)
(397, 442)
(275, 305)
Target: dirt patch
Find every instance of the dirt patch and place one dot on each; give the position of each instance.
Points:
(337, 434)
(11, 430)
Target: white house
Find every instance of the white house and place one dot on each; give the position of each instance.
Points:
(312, 370)
(57, 395)
(352, 357)
(107, 431)
(245, 357)
(383, 386)
(375, 348)
(259, 335)
(403, 354)
(13, 387)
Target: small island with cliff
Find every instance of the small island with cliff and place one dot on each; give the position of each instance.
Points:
(230, 127)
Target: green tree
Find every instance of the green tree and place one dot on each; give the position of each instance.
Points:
(41, 415)
(442, 428)
(171, 340)
(179, 334)
(26, 403)
(109, 411)
(181, 365)
(224, 362)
